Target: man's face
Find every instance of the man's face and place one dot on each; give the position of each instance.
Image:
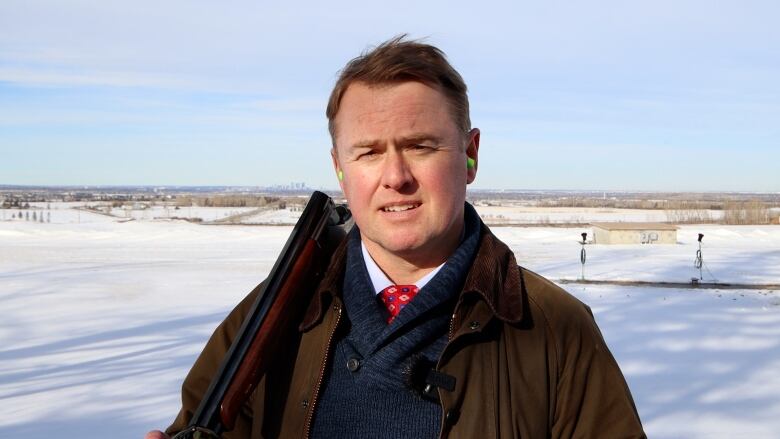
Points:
(403, 160)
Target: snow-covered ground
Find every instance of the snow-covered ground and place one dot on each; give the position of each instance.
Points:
(273, 216)
(165, 212)
(79, 212)
(101, 320)
(571, 215)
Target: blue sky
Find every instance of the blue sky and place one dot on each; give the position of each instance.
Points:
(602, 95)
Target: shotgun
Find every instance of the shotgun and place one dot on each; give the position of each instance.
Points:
(275, 313)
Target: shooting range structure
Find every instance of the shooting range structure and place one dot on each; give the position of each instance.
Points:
(634, 233)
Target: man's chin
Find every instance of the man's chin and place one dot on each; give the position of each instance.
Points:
(411, 246)
(399, 245)
(402, 248)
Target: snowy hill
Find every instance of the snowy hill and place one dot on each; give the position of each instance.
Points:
(102, 319)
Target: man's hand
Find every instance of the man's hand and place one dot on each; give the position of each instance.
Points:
(156, 434)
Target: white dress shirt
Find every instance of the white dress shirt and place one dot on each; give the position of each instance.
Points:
(379, 278)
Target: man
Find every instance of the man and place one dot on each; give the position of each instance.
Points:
(421, 288)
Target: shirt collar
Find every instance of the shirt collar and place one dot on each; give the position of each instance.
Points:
(379, 278)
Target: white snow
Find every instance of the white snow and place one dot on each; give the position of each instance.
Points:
(101, 320)
(171, 211)
(562, 215)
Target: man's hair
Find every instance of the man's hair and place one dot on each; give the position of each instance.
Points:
(400, 60)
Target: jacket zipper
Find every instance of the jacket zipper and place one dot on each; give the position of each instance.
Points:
(438, 365)
(313, 402)
(452, 327)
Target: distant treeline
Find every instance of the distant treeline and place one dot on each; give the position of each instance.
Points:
(734, 212)
(14, 204)
(652, 204)
(238, 200)
(227, 200)
(684, 211)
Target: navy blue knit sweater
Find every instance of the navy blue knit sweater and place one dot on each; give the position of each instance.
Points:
(364, 393)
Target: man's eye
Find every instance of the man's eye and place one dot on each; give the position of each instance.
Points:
(367, 154)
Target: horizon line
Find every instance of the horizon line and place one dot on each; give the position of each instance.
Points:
(281, 187)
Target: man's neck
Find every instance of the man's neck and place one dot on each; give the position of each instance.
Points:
(408, 268)
(403, 272)
(380, 280)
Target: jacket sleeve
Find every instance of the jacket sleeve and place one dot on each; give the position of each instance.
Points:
(198, 379)
(592, 398)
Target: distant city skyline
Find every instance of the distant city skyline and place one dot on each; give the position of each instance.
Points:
(597, 95)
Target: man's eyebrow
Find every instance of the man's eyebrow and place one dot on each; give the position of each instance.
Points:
(405, 140)
(422, 137)
(363, 144)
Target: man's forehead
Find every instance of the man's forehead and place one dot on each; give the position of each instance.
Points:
(405, 110)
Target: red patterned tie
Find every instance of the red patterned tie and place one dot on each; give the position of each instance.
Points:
(395, 297)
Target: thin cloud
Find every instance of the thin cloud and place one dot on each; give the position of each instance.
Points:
(39, 77)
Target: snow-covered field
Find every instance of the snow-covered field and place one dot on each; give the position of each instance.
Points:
(571, 215)
(101, 320)
(77, 212)
(63, 213)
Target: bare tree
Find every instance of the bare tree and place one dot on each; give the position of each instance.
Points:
(745, 212)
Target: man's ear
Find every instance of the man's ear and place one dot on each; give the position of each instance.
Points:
(472, 153)
(334, 155)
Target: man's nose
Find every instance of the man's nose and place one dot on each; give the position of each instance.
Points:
(396, 172)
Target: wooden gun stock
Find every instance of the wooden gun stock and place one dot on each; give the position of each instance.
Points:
(273, 317)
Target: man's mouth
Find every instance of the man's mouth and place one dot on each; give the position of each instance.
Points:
(400, 207)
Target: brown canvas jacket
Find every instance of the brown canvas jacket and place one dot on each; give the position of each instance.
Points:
(528, 359)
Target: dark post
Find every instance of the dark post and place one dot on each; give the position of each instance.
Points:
(582, 253)
(699, 262)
